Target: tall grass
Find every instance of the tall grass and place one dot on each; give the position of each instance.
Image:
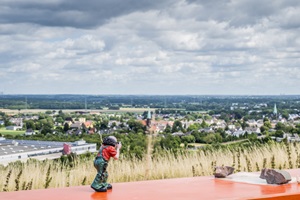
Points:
(166, 164)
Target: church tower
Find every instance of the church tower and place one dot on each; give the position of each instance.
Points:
(148, 122)
(275, 110)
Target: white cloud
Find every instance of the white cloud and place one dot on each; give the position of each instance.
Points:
(170, 47)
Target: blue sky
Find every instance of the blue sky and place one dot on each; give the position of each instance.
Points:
(150, 47)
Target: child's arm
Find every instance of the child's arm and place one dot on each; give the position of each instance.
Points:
(118, 147)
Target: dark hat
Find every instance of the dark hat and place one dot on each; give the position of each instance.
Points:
(110, 140)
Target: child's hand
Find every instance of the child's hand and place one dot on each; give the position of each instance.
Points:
(119, 146)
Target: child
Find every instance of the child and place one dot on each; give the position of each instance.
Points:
(109, 148)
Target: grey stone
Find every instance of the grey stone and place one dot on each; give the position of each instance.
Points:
(223, 171)
(274, 176)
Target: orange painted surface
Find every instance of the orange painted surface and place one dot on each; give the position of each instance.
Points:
(170, 189)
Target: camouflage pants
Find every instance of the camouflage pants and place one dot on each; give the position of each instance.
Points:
(100, 180)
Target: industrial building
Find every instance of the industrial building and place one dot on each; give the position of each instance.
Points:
(13, 150)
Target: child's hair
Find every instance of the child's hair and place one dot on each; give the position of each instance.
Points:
(110, 140)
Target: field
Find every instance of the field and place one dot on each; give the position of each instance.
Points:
(34, 111)
(54, 174)
(3, 131)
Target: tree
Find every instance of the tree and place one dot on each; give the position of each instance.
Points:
(210, 138)
(266, 119)
(59, 129)
(280, 126)
(30, 124)
(66, 127)
(47, 128)
(135, 125)
(238, 114)
(218, 138)
(170, 142)
(104, 124)
(285, 114)
(169, 129)
(59, 119)
(279, 133)
(188, 139)
(204, 124)
(48, 112)
(268, 124)
(177, 126)
(244, 124)
(113, 125)
(199, 137)
(263, 129)
(195, 127)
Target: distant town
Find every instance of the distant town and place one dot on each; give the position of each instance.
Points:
(176, 121)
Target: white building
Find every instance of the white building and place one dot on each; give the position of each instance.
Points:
(13, 128)
(13, 150)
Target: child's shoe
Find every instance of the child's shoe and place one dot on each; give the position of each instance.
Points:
(99, 190)
(109, 186)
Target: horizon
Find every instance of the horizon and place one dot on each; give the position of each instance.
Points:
(32, 94)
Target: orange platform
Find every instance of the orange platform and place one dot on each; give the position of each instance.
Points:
(169, 189)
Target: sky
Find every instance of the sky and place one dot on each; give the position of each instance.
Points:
(163, 47)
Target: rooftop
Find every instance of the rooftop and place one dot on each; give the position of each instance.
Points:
(8, 147)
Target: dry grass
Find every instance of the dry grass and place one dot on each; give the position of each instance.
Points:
(165, 165)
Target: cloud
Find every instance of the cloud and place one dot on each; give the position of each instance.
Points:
(149, 47)
(71, 13)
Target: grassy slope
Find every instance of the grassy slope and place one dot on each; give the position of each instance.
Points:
(3, 131)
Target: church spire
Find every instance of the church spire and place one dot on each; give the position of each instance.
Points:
(149, 118)
(149, 114)
(275, 110)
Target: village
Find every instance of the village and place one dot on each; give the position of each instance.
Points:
(211, 127)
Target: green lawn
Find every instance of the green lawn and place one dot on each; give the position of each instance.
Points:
(197, 144)
(3, 131)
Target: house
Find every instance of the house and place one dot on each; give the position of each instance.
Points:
(178, 133)
(74, 132)
(76, 126)
(231, 127)
(221, 124)
(13, 128)
(34, 117)
(1, 122)
(88, 125)
(255, 130)
(293, 117)
(238, 133)
(91, 131)
(186, 124)
(209, 122)
(113, 123)
(17, 121)
(207, 130)
(106, 131)
(160, 128)
(229, 132)
(189, 133)
(199, 121)
(252, 123)
(82, 119)
(68, 122)
(29, 132)
(259, 123)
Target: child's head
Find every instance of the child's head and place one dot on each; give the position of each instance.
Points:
(110, 140)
